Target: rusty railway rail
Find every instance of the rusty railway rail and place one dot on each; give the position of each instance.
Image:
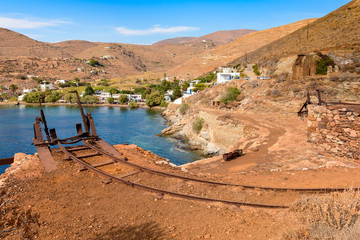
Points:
(142, 168)
(90, 138)
(6, 161)
(161, 191)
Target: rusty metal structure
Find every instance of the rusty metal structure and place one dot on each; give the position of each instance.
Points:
(43, 145)
(304, 110)
(6, 161)
(232, 155)
(92, 142)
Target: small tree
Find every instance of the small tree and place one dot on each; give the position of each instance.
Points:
(256, 70)
(94, 63)
(123, 99)
(33, 97)
(133, 105)
(154, 99)
(54, 96)
(13, 88)
(198, 125)
(230, 95)
(89, 91)
(113, 91)
(90, 99)
(322, 65)
(185, 86)
(177, 93)
(110, 100)
(71, 97)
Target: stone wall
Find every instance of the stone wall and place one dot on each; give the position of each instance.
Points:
(336, 129)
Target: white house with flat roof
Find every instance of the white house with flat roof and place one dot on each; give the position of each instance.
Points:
(227, 75)
(46, 86)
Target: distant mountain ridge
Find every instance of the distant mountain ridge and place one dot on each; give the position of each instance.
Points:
(218, 38)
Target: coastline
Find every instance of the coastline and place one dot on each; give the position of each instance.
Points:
(83, 104)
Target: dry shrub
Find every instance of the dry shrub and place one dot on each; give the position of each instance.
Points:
(275, 93)
(335, 216)
(346, 76)
(15, 221)
(334, 78)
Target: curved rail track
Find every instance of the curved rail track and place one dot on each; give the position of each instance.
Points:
(121, 179)
(153, 189)
(142, 168)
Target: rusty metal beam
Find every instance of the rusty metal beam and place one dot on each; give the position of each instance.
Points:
(6, 161)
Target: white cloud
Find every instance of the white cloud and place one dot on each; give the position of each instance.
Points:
(7, 22)
(154, 30)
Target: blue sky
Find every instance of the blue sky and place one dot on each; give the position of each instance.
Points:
(148, 21)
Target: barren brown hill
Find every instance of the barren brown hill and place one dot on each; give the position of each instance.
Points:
(223, 37)
(338, 30)
(178, 40)
(223, 54)
(13, 44)
(216, 38)
(75, 47)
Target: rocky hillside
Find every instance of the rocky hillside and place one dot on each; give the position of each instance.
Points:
(13, 44)
(337, 31)
(223, 54)
(66, 59)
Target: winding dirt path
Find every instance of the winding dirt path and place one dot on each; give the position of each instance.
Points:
(279, 138)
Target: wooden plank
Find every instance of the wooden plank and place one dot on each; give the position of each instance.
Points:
(108, 148)
(84, 156)
(46, 158)
(98, 165)
(129, 174)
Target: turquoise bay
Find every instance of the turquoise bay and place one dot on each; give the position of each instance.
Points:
(115, 125)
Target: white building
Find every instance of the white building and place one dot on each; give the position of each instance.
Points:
(25, 91)
(189, 92)
(46, 86)
(104, 96)
(191, 89)
(60, 81)
(227, 75)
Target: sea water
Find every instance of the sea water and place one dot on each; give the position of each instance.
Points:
(113, 124)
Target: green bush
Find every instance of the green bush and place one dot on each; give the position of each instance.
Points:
(111, 100)
(198, 125)
(70, 98)
(230, 95)
(123, 99)
(103, 82)
(113, 91)
(54, 96)
(33, 97)
(256, 70)
(183, 109)
(177, 93)
(163, 103)
(133, 105)
(200, 87)
(208, 78)
(13, 99)
(89, 91)
(322, 65)
(154, 99)
(38, 80)
(90, 99)
(94, 63)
